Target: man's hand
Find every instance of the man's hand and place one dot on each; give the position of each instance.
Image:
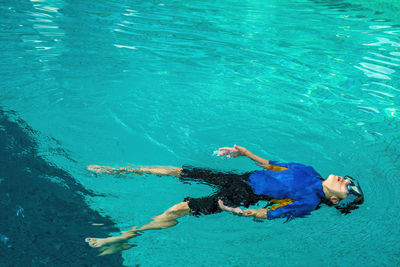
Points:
(260, 213)
(249, 212)
(234, 151)
(221, 205)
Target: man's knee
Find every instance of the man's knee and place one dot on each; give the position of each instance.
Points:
(180, 206)
(178, 210)
(176, 171)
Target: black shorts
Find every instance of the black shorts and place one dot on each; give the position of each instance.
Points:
(233, 189)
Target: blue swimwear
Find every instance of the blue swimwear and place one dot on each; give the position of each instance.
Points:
(293, 188)
(297, 189)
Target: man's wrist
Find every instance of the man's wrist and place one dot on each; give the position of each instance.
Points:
(261, 213)
(246, 153)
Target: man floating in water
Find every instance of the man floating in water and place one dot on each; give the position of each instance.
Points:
(292, 189)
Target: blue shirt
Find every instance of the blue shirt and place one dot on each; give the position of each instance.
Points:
(297, 190)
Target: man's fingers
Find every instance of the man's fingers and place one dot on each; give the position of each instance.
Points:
(221, 204)
(237, 210)
(223, 151)
(249, 212)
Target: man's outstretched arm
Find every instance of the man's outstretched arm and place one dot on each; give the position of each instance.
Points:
(259, 213)
(237, 151)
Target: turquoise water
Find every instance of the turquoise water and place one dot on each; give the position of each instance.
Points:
(168, 82)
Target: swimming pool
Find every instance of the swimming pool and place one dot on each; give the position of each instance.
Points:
(168, 82)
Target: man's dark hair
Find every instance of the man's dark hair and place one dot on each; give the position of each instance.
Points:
(351, 206)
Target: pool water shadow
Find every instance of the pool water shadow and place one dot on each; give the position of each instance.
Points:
(42, 222)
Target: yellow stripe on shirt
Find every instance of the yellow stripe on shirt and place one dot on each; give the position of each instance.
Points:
(277, 168)
(280, 203)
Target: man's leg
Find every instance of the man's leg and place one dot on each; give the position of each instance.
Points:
(163, 170)
(165, 220)
(168, 218)
(207, 176)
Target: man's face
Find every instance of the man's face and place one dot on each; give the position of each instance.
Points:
(337, 186)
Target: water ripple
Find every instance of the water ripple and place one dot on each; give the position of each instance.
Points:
(318, 85)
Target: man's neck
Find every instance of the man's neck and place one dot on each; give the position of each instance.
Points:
(325, 189)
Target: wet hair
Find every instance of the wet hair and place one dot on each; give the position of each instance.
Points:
(351, 206)
(344, 209)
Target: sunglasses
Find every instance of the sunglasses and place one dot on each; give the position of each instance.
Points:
(354, 186)
(354, 190)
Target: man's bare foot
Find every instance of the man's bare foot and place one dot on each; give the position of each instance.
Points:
(100, 242)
